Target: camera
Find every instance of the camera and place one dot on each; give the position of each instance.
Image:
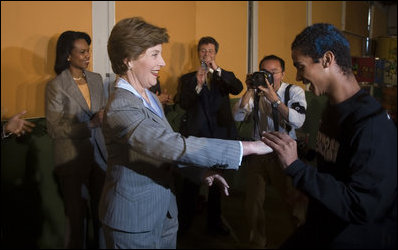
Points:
(258, 78)
(203, 65)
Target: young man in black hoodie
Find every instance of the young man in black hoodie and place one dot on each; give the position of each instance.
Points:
(353, 190)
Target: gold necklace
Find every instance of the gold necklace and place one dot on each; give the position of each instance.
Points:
(79, 78)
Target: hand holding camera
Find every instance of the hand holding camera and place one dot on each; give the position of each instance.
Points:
(203, 66)
(263, 82)
(201, 74)
(259, 78)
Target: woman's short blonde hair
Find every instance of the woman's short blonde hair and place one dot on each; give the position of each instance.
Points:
(130, 38)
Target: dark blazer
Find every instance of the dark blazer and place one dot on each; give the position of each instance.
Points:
(142, 149)
(208, 113)
(76, 146)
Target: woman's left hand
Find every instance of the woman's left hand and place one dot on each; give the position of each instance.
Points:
(96, 121)
(212, 176)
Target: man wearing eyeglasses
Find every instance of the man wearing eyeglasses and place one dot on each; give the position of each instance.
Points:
(205, 98)
(276, 106)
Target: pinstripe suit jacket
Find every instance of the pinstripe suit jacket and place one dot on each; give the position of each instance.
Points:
(76, 146)
(142, 149)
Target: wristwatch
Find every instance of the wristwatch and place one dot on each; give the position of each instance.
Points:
(276, 103)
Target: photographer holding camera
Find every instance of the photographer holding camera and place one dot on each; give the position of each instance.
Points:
(275, 106)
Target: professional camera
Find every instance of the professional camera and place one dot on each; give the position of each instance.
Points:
(258, 78)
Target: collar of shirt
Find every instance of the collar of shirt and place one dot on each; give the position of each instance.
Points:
(123, 84)
(281, 91)
(218, 71)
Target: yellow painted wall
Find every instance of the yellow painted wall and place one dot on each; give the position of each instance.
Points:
(188, 22)
(29, 31)
(178, 17)
(356, 25)
(357, 17)
(331, 12)
(327, 12)
(356, 44)
(227, 23)
(278, 25)
(380, 22)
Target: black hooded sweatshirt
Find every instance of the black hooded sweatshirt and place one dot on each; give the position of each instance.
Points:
(353, 189)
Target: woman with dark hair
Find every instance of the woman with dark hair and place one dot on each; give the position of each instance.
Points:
(74, 109)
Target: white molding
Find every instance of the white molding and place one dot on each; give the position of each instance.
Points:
(255, 36)
(103, 20)
(371, 20)
(252, 38)
(309, 13)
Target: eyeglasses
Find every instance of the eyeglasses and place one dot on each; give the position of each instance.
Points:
(273, 73)
(204, 51)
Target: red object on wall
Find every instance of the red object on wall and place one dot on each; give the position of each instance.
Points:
(364, 68)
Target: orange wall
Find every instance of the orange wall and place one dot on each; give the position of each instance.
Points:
(380, 23)
(29, 31)
(278, 25)
(327, 12)
(188, 22)
(227, 23)
(356, 13)
(180, 25)
(356, 25)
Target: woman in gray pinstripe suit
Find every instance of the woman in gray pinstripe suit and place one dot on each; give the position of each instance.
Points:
(75, 100)
(138, 206)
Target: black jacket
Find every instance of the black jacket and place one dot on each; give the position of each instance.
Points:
(208, 114)
(353, 190)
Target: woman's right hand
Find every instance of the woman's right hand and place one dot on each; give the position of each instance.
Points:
(213, 177)
(96, 121)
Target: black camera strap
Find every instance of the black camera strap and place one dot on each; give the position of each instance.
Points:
(275, 118)
(275, 115)
(287, 98)
(275, 112)
(255, 112)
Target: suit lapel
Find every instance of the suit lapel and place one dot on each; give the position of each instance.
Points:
(71, 87)
(158, 103)
(156, 117)
(94, 93)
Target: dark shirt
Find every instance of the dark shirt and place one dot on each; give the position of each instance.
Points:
(353, 190)
(208, 114)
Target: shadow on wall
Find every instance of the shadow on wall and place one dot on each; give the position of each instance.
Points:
(187, 55)
(192, 64)
(26, 82)
(170, 83)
